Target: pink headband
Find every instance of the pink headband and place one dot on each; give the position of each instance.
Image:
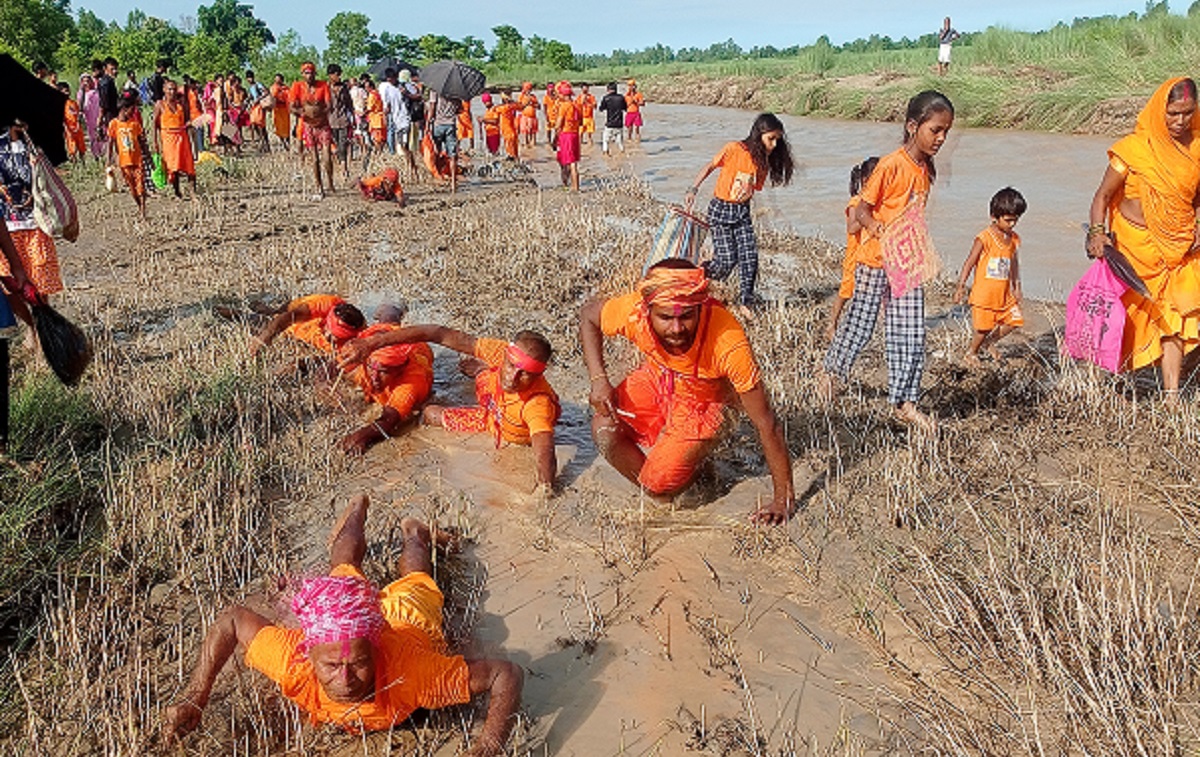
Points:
(335, 609)
(519, 358)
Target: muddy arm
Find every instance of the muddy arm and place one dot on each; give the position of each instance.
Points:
(770, 433)
(592, 339)
(356, 351)
(544, 456)
(235, 625)
(502, 681)
(385, 427)
(278, 324)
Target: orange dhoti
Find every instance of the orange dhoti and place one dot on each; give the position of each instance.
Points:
(177, 153)
(674, 418)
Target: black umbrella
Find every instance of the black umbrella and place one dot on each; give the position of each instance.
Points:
(23, 97)
(378, 68)
(450, 78)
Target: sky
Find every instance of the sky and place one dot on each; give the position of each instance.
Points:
(603, 26)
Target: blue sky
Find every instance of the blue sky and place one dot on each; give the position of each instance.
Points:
(602, 26)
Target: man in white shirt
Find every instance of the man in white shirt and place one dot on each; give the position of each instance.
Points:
(399, 121)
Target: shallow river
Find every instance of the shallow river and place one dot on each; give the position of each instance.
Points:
(1057, 173)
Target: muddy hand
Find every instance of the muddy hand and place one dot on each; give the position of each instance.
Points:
(775, 515)
(352, 353)
(181, 719)
(601, 398)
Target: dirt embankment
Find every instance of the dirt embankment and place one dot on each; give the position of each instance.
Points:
(1030, 98)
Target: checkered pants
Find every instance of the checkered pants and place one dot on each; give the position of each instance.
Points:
(904, 333)
(733, 245)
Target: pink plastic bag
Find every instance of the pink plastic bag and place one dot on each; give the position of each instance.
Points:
(1096, 318)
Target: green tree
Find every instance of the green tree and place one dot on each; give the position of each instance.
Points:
(33, 29)
(510, 47)
(559, 55)
(435, 47)
(349, 38)
(285, 56)
(204, 55)
(234, 24)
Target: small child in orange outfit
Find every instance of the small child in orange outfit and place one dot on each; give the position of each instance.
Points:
(996, 294)
(124, 133)
(855, 234)
(384, 185)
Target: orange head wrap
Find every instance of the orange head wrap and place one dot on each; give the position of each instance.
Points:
(674, 287)
(391, 175)
(392, 356)
(307, 66)
(631, 83)
(527, 86)
(339, 329)
(564, 88)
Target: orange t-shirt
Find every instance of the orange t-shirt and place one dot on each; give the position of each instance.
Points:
(739, 178)
(571, 115)
(317, 93)
(375, 111)
(508, 119)
(720, 353)
(992, 288)
(491, 120)
(410, 672)
(71, 116)
(519, 414)
(896, 181)
(406, 386)
(125, 135)
(528, 105)
(634, 102)
(309, 329)
(551, 107)
(587, 104)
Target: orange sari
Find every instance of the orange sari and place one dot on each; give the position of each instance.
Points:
(1165, 176)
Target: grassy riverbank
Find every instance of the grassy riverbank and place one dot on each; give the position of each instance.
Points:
(1019, 585)
(1091, 76)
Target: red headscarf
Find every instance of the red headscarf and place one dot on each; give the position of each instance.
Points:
(339, 329)
(392, 356)
(674, 287)
(521, 359)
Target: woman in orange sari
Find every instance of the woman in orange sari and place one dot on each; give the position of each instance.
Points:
(171, 137)
(1148, 197)
(280, 114)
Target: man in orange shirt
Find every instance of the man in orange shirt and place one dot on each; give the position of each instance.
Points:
(507, 110)
(566, 140)
(312, 100)
(527, 103)
(634, 101)
(323, 321)
(658, 425)
(362, 659)
(384, 186)
(397, 377)
(516, 403)
(550, 104)
(587, 104)
(124, 139)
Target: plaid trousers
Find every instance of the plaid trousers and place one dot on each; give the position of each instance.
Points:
(733, 245)
(904, 333)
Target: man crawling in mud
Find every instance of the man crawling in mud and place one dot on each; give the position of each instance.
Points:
(362, 659)
(516, 403)
(697, 362)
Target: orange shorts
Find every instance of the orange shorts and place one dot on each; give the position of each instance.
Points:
(846, 288)
(411, 601)
(677, 432)
(986, 319)
(472, 420)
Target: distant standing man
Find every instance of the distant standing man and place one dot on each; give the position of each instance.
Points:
(311, 100)
(946, 37)
(341, 116)
(444, 130)
(634, 102)
(613, 106)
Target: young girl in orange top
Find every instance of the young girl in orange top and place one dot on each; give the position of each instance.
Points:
(745, 167)
(124, 144)
(901, 177)
(996, 294)
(854, 236)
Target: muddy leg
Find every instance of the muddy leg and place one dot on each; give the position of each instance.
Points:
(348, 540)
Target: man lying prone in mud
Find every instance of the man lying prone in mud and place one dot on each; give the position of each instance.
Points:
(516, 403)
(362, 659)
(697, 361)
(397, 377)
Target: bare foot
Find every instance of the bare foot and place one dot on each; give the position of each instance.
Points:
(971, 360)
(1170, 398)
(995, 354)
(910, 416)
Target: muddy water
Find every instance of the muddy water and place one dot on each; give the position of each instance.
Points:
(1057, 173)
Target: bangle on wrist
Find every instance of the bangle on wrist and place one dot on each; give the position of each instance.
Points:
(1094, 229)
(599, 376)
